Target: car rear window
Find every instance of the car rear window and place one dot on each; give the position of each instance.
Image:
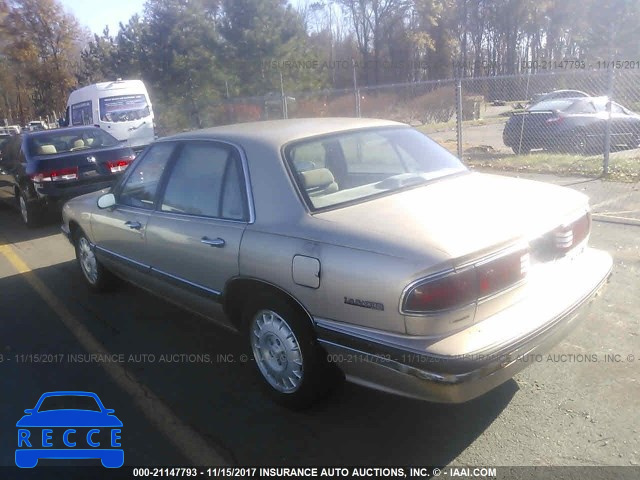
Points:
(64, 140)
(352, 166)
(557, 104)
(581, 106)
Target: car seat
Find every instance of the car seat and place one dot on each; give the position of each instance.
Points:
(47, 150)
(318, 182)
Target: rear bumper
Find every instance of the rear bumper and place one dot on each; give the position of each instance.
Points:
(530, 139)
(466, 364)
(54, 196)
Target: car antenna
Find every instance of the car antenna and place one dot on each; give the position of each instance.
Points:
(116, 81)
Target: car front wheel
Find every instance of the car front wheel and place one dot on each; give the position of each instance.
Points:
(94, 274)
(289, 360)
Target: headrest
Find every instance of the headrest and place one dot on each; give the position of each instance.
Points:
(78, 143)
(47, 149)
(320, 177)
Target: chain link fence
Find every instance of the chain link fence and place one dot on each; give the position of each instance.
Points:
(576, 126)
(580, 127)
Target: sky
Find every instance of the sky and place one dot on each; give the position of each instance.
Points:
(96, 14)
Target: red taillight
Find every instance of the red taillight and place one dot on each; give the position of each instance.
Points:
(568, 236)
(455, 289)
(554, 120)
(56, 175)
(501, 273)
(119, 165)
(581, 229)
(464, 287)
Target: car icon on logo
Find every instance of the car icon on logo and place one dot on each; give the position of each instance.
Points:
(69, 425)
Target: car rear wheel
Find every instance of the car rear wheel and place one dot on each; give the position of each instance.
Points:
(521, 149)
(579, 143)
(291, 364)
(29, 210)
(97, 277)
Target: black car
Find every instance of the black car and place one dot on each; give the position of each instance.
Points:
(557, 94)
(572, 125)
(39, 171)
(4, 138)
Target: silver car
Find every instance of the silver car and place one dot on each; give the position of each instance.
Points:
(354, 243)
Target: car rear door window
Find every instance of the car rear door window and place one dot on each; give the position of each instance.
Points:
(140, 188)
(206, 181)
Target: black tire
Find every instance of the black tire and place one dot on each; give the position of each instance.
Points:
(30, 210)
(97, 278)
(292, 367)
(579, 143)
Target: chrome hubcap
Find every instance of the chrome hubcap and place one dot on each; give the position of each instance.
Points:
(23, 210)
(88, 260)
(277, 351)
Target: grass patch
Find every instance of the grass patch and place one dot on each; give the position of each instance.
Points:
(623, 166)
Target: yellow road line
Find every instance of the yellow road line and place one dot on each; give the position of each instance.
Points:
(186, 440)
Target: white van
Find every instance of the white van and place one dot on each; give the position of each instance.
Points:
(122, 108)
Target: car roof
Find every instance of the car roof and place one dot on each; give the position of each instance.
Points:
(565, 102)
(570, 90)
(542, 97)
(278, 132)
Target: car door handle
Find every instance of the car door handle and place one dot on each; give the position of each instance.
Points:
(217, 242)
(133, 225)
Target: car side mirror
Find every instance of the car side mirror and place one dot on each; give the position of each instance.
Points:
(106, 201)
(29, 411)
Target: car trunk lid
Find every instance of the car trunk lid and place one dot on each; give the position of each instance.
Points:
(89, 166)
(466, 216)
